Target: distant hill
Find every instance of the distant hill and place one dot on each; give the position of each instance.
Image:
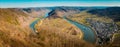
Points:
(35, 12)
(65, 10)
(57, 11)
(111, 12)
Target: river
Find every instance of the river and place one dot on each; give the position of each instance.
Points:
(32, 25)
(88, 34)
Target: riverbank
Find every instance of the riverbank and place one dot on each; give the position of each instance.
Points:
(32, 25)
(88, 33)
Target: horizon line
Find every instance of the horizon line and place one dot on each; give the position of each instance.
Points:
(63, 6)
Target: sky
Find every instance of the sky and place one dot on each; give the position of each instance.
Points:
(51, 3)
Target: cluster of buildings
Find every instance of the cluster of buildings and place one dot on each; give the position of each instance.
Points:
(104, 31)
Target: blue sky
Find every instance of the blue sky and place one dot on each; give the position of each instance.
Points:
(49, 3)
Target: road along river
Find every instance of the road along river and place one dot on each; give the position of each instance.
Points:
(88, 34)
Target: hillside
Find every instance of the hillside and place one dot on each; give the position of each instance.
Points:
(15, 32)
(14, 28)
(55, 31)
(36, 12)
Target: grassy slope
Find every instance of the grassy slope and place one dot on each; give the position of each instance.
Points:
(14, 32)
(60, 33)
(60, 25)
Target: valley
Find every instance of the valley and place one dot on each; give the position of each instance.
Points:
(59, 27)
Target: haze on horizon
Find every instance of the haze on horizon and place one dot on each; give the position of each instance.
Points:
(51, 3)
